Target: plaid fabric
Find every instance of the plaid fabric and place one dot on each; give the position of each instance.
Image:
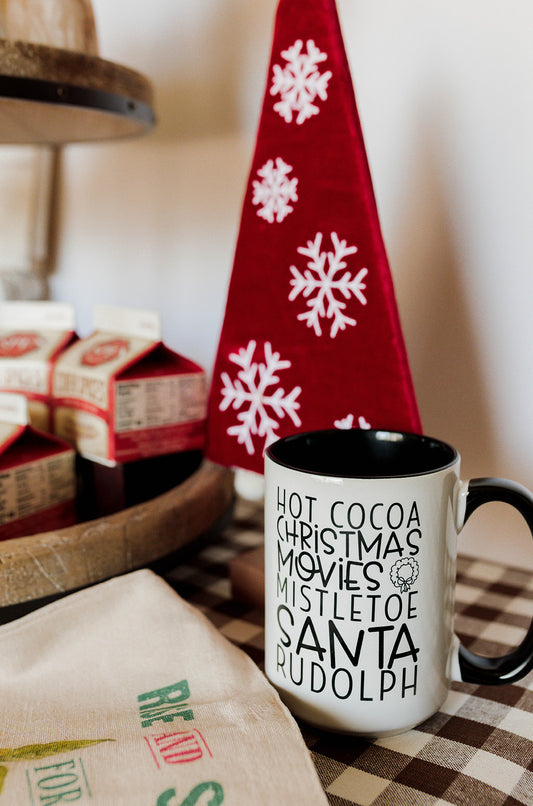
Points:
(478, 749)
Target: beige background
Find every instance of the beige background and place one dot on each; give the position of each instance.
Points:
(444, 91)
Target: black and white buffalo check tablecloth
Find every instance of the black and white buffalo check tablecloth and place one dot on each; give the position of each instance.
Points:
(478, 749)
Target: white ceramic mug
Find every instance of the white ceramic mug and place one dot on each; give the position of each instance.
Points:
(360, 547)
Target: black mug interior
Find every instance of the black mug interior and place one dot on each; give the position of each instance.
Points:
(358, 453)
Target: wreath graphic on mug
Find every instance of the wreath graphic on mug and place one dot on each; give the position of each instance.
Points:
(404, 573)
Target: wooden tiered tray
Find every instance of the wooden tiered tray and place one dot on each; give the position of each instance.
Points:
(53, 563)
(53, 96)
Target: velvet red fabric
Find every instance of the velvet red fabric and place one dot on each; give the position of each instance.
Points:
(311, 336)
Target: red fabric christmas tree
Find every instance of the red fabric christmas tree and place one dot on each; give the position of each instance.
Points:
(311, 336)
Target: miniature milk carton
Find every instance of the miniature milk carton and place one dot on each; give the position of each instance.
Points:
(32, 335)
(122, 395)
(37, 474)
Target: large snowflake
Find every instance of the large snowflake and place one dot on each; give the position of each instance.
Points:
(321, 284)
(256, 395)
(299, 82)
(275, 190)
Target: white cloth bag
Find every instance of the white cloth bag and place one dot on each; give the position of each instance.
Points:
(125, 694)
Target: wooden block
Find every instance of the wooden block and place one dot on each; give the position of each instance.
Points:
(247, 574)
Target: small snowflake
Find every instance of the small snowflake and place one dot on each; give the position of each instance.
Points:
(299, 82)
(323, 283)
(348, 422)
(252, 392)
(274, 191)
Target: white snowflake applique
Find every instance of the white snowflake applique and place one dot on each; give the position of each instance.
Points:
(255, 393)
(322, 286)
(275, 190)
(299, 82)
(348, 422)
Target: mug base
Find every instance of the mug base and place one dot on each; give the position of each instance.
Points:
(361, 734)
(319, 719)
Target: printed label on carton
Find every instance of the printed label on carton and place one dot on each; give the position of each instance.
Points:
(121, 396)
(159, 401)
(84, 371)
(25, 360)
(32, 334)
(103, 352)
(37, 474)
(15, 345)
(32, 487)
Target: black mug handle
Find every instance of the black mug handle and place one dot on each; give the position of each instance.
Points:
(517, 663)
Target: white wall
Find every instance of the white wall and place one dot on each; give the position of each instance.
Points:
(445, 95)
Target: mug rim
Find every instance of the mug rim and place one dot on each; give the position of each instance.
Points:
(378, 435)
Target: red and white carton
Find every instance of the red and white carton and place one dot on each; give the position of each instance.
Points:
(32, 335)
(37, 474)
(122, 395)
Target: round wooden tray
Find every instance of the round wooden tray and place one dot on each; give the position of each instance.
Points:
(53, 563)
(54, 96)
